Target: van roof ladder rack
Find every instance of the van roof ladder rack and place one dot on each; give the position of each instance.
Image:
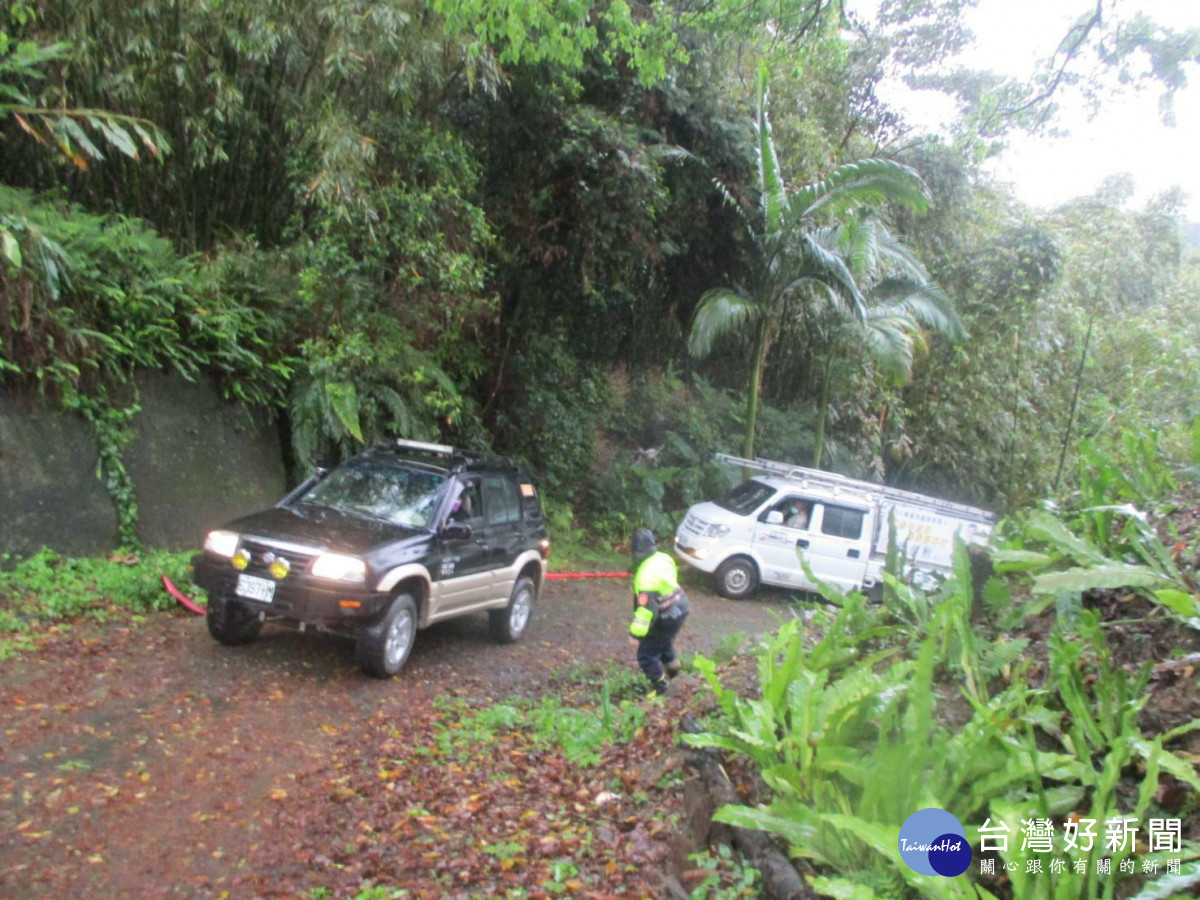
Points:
(806, 477)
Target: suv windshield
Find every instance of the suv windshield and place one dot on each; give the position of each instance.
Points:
(746, 497)
(397, 495)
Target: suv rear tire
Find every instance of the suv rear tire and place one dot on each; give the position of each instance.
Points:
(508, 624)
(231, 623)
(384, 649)
(737, 578)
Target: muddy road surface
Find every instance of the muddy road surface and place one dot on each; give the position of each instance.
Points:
(145, 760)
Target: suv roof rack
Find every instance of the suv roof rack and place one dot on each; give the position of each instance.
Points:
(426, 447)
(818, 478)
(451, 457)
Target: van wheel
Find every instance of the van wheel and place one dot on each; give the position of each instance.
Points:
(383, 650)
(508, 624)
(737, 578)
(231, 623)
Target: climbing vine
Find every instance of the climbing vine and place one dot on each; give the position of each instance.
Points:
(110, 425)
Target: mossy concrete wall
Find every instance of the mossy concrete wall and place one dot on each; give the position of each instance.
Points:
(196, 461)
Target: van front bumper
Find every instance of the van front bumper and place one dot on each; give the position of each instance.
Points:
(698, 557)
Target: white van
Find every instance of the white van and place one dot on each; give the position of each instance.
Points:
(757, 533)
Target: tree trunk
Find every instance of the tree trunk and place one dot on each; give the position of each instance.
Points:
(826, 378)
(762, 340)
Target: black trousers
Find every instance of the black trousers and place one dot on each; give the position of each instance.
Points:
(657, 649)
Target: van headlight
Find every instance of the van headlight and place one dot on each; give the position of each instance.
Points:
(716, 531)
(337, 567)
(221, 543)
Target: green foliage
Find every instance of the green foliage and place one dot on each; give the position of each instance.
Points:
(1107, 544)
(804, 252)
(580, 734)
(727, 876)
(550, 422)
(98, 296)
(564, 35)
(47, 587)
(676, 431)
(849, 735)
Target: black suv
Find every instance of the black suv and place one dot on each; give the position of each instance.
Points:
(393, 540)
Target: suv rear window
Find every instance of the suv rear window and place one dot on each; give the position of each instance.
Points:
(746, 497)
(842, 522)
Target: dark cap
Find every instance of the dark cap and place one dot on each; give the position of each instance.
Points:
(642, 544)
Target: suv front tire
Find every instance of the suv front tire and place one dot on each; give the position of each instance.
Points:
(231, 623)
(384, 649)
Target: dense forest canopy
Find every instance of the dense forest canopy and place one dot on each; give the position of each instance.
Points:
(494, 223)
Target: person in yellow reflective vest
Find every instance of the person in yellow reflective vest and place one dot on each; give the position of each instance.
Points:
(660, 608)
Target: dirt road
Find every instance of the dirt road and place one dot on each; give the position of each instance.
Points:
(145, 760)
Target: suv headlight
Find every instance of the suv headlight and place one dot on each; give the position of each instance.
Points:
(337, 567)
(716, 531)
(221, 543)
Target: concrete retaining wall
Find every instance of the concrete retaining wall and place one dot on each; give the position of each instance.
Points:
(196, 461)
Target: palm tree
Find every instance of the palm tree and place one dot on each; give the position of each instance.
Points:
(902, 305)
(797, 266)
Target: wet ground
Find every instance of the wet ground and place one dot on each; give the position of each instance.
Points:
(148, 761)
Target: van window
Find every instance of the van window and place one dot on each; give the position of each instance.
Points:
(842, 522)
(746, 497)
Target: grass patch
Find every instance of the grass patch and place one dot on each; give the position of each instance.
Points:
(47, 587)
(579, 732)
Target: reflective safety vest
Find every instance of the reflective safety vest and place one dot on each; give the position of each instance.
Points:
(658, 577)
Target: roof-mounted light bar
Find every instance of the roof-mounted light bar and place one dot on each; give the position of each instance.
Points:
(440, 449)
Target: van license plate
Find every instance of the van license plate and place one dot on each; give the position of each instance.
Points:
(260, 589)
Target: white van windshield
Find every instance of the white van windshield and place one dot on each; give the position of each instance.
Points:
(746, 497)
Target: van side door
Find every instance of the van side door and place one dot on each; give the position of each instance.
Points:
(783, 530)
(839, 543)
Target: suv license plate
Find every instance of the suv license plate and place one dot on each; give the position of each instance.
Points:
(261, 589)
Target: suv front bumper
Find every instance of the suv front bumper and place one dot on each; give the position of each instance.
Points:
(297, 599)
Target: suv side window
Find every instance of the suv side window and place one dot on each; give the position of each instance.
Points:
(468, 507)
(839, 521)
(501, 499)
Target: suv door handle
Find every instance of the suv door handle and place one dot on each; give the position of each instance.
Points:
(852, 553)
(802, 543)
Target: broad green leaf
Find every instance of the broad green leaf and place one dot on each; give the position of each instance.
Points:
(842, 889)
(12, 248)
(343, 400)
(1020, 560)
(1179, 602)
(1043, 526)
(1110, 576)
(1174, 885)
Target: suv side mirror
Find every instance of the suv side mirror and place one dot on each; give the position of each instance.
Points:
(456, 531)
(774, 517)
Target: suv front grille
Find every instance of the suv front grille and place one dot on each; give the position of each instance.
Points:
(262, 551)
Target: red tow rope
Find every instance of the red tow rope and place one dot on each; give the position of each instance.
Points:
(564, 576)
(550, 576)
(178, 595)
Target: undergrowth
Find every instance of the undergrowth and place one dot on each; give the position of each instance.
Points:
(47, 587)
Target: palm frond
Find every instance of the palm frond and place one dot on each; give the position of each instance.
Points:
(829, 267)
(924, 302)
(893, 252)
(721, 311)
(772, 190)
(868, 182)
(890, 342)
